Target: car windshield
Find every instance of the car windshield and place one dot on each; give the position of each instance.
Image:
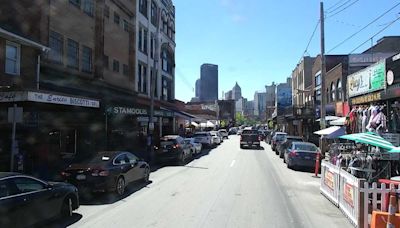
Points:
(100, 158)
(305, 147)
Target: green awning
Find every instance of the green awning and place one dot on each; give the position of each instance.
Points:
(395, 150)
(370, 139)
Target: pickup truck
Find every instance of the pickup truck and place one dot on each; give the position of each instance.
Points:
(250, 138)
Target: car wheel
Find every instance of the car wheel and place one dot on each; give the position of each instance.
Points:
(66, 208)
(146, 176)
(280, 155)
(120, 186)
(241, 147)
(284, 159)
(276, 152)
(181, 160)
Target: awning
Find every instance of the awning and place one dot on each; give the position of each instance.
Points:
(331, 132)
(339, 122)
(184, 115)
(370, 139)
(207, 124)
(194, 124)
(329, 118)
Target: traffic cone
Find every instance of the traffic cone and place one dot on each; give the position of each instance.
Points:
(317, 164)
(391, 210)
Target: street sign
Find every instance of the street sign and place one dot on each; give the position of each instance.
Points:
(18, 114)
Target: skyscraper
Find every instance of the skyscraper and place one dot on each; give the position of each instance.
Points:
(209, 82)
(260, 103)
(198, 88)
(236, 92)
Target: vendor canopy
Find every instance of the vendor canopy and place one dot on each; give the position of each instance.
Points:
(331, 132)
(370, 139)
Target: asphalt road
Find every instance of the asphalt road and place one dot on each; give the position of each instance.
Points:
(226, 187)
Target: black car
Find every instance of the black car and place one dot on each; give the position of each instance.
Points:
(26, 201)
(173, 148)
(281, 148)
(107, 171)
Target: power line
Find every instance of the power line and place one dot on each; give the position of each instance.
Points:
(343, 9)
(309, 41)
(348, 38)
(337, 3)
(387, 26)
(339, 6)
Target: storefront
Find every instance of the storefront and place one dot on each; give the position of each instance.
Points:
(52, 130)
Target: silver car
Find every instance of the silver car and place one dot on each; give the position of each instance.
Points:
(197, 146)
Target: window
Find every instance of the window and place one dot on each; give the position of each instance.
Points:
(88, 7)
(106, 62)
(121, 160)
(145, 41)
(142, 78)
(164, 61)
(328, 96)
(333, 91)
(139, 81)
(144, 88)
(115, 66)
(152, 46)
(56, 43)
(339, 90)
(152, 74)
(25, 184)
(116, 18)
(318, 79)
(12, 58)
(86, 59)
(125, 69)
(132, 158)
(75, 3)
(143, 7)
(166, 89)
(126, 26)
(73, 54)
(142, 41)
(154, 15)
(106, 11)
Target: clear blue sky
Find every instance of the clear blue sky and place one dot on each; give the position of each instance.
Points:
(255, 42)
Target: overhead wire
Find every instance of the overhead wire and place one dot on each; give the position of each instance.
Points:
(309, 41)
(345, 3)
(342, 9)
(366, 26)
(387, 26)
(337, 3)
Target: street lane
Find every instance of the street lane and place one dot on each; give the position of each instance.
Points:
(228, 187)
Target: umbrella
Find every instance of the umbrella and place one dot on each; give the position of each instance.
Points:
(370, 139)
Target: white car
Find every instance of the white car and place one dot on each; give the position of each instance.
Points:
(196, 145)
(204, 138)
(224, 133)
(216, 139)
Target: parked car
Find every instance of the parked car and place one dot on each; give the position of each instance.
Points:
(301, 154)
(233, 131)
(270, 136)
(204, 138)
(239, 132)
(221, 137)
(262, 134)
(173, 148)
(26, 201)
(250, 138)
(224, 133)
(195, 145)
(277, 139)
(216, 139)
(280, 150)
(107, 171)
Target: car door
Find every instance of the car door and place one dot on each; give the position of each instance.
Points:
(42, 202)
(12, 205)
(136, 172)
(124, 167)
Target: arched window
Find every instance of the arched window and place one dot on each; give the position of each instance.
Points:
(167, 60)
(339, 90)
(333, 91)
(328, 96)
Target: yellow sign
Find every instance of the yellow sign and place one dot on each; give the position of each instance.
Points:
(348, 193)
(366, 98)
(329, 179)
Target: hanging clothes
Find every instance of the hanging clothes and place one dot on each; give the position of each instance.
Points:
(353, 121)
(364, 121)
(359, 120)
(371, 124)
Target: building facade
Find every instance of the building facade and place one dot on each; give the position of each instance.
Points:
(260, 102)
(209, 82)
(228, 95)
(270, 100)
(236, 92)
(198, 87)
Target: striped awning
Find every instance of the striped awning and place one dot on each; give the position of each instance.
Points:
(370, 139)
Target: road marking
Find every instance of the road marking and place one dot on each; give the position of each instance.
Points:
(233, 163)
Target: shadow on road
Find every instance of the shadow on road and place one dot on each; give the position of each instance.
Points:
(253, 148)
(110, 198)
(61, 222)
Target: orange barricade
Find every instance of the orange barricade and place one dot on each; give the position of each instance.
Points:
(379, 219)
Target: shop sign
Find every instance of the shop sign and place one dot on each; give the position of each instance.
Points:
(367, 80)
(390, 77)
(12, 96)
(329, 179)
(367, 59)
(366, 98)
(127, 111)
(163, 113)
(64, 100)
(348, 194)
(146, 119)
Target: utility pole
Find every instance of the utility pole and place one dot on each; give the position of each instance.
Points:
(323, 74)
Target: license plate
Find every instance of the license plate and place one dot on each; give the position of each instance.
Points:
(165, 150)
(80, 177)
(249, 142)
(307, 157)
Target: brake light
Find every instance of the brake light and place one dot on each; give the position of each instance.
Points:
(293, 153)
(175, 146)
(65, 174)
(100, 173)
